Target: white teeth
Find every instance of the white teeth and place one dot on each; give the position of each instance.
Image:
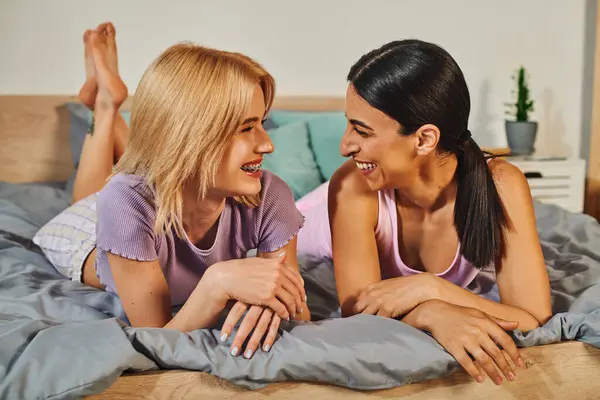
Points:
(366, 166)
(251, 168)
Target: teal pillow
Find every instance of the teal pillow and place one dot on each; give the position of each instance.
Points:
(293, 160)
(284, 117)
(325, 131)
(325, 136)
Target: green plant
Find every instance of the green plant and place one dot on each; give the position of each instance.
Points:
(523, 104)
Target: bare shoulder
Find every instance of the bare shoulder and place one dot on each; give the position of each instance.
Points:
(348, 190)
(514, 191)
(510, 181)
(347, 181)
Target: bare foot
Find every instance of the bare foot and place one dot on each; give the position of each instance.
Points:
(112, 92)
(89, 90)
(108, 29)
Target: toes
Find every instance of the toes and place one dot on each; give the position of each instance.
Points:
(101, 27)
(96, 39)
(86, 36)
(107, 28)
(110, 30)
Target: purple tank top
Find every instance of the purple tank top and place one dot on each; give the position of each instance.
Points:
(125, 221)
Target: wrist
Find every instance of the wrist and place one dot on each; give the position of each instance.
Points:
(421, 317)
(432, 285)
(211, 286)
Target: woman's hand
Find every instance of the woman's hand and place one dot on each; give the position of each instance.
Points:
(398, 296)
(262, 282)
(470, 336)
(259, 320)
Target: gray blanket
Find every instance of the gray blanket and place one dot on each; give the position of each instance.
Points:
(60, 339)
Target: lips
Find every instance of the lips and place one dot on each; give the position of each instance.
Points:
(252, 166)
(365, 166)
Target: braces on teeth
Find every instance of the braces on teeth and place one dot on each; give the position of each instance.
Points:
(251, 168)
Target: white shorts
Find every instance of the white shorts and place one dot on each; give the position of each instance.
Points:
(69, 238)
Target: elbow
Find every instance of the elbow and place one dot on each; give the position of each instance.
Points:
(544, 313)
(535, 321)
(347, 308)
(544, 317)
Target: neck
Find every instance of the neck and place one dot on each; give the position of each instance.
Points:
(200, 214)
(433, 186)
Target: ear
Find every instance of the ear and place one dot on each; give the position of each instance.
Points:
(428, 137)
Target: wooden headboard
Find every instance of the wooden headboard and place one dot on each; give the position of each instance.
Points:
(34, 133)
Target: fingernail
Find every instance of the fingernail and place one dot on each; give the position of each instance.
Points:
(234, 351)
(305, 298)
(266, 348)
(281, 254)
(223, 337)
(301, 309)
(248, 353)
(511, 376)
(480, 379)
(498, 381)
(521, 362)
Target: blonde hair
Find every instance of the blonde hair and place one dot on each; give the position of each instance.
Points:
(189, 103)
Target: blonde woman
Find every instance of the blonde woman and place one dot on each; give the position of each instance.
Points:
(187, 200)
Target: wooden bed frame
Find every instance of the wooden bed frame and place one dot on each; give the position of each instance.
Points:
(34, 147)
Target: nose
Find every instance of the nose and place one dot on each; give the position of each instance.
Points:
(348, 146)
(264, 145)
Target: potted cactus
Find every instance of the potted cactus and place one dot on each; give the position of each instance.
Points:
(521, 132)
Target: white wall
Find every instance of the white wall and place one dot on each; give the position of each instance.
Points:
(309, 46)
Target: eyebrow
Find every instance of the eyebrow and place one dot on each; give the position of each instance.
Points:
(360, 123)
(248, 120)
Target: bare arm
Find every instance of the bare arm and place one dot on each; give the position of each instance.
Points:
(291, 262)
(145, 296)
(522, 278)
(353, 211)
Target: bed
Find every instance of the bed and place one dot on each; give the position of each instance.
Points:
(44, 319)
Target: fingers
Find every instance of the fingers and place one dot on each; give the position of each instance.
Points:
(467, 363)
(271, 334)
(506, 325)
(504, 340)
(486, 362)
(259, 332)
(245, 328)
(279, 308)
(498, 357)
(296, 280)
(232, 319)
(293, 290)
(288, 300)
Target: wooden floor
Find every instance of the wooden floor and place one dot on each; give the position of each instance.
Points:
(568, 370)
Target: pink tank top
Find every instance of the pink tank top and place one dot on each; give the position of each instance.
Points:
(314, 239)
(460, 272)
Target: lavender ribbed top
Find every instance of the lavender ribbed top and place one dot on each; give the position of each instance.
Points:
(126, 215)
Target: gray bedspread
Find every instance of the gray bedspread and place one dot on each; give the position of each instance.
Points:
(60, 339)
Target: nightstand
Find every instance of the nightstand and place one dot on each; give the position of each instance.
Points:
(555, 181)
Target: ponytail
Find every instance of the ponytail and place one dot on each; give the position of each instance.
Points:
(479, 216)
(417, 83)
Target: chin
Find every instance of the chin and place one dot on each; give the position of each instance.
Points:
(248, 186)
(375, 182)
